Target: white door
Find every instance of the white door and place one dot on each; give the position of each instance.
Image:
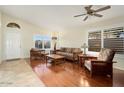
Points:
(12, 45)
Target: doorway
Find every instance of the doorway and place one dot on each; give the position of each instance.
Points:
(12, 44)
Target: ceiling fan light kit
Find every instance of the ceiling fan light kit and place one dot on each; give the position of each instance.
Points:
(92, 12)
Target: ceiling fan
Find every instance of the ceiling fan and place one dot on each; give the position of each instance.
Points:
(92, 12)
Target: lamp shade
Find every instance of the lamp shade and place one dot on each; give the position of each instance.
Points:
(54, 38)
(84, 46)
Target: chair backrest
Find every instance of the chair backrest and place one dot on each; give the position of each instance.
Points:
(35, 51)
(106, 54)
(70, 50)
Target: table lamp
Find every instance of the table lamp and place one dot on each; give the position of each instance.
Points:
(54, 38)
(84, 46)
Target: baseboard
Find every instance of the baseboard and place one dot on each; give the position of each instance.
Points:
(26, 58)
(119, 68)
(13, 59)
(1, 61)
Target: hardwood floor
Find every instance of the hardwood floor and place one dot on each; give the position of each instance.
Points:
(69, 74)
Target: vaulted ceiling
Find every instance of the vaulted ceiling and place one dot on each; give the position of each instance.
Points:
(58, 15)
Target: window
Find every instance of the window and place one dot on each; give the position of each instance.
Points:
(13, 25)
(114, 39)
(43, 42)
(94, 41)
(38, 44)
(47, 44)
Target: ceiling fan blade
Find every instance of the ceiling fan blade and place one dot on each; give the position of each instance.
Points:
(98, 15)
(85, 18)
(103, 8)
(79, 15)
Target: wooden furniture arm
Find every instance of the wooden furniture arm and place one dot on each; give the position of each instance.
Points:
(58, 50)
(100, 61)
(75, 54)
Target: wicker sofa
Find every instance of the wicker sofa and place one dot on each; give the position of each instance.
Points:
(69, 53)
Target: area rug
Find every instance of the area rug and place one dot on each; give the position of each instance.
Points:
(18, 74)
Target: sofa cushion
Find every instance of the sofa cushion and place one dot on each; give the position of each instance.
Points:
(63, 49)
(76, 50)
(69, 50)
(69, 54)
(87, 64)
(61, 53)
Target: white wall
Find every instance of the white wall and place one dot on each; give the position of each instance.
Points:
(27, 32)
(76, 36)
(73, 37)
(0, 40)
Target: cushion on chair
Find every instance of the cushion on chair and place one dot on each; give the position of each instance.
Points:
(87, 64)
(106, 55)
(69, 50)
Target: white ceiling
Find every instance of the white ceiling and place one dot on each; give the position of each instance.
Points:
(58, 15)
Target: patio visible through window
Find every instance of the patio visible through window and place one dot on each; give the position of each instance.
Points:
(42, 42)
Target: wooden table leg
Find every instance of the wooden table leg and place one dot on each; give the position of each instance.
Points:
(80, 61)
(64, 60)
(44, 57)
(46, 60)
(54, 62)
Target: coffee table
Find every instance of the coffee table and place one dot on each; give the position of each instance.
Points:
(55, 58)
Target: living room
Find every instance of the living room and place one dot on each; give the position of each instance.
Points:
(45, 22)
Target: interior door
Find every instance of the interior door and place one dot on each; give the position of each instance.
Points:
(13, 45)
